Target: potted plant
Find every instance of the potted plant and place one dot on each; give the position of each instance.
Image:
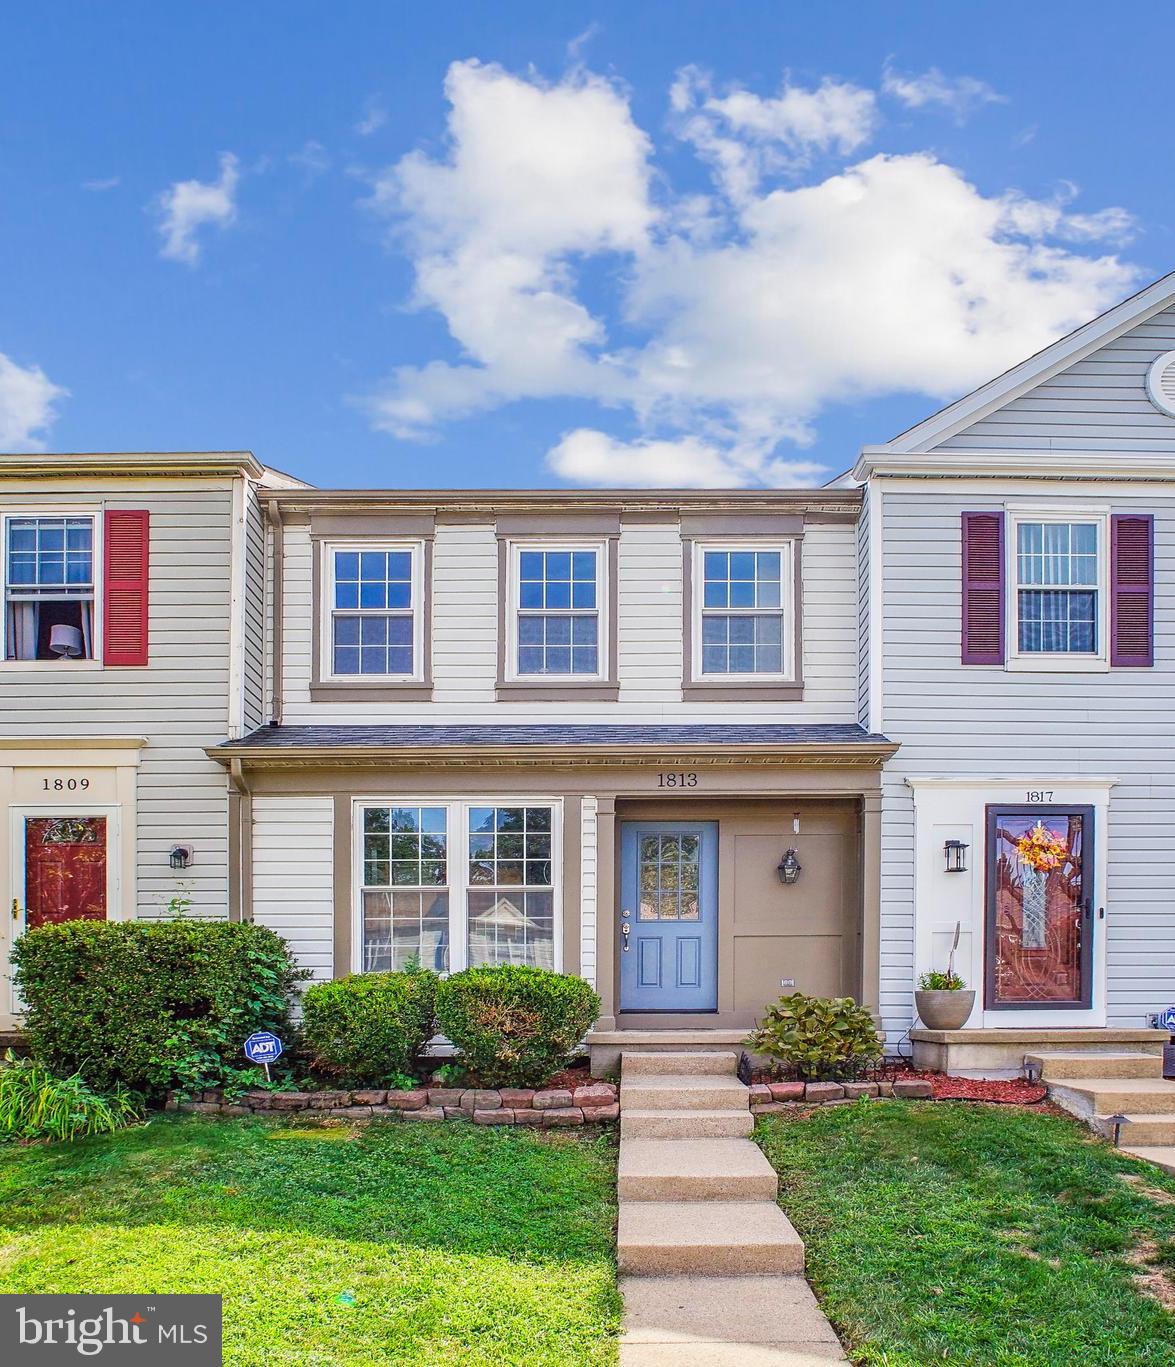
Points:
(943, 1001)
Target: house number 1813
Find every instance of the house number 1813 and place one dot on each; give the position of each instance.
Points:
(677, 779)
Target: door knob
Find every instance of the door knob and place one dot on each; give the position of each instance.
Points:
(625, 930)
(15, 909)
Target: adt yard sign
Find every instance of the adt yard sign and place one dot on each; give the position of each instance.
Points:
(263, 1047)
(1165, 1020)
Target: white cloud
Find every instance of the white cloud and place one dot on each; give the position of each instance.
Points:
(961, 95)
(189, 205)
(374, 118)
(745, 136)
(99, 185)
(27, 399)
(312, 158)
(722, 325)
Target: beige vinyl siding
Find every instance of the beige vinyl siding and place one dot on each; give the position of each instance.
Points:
(985, 721)
(863, 616)
(1099, 404)
(255, 613)
(650, 634)
(293, 876)
(178, 702)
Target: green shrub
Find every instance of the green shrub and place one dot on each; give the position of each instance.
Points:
(369, 1027)
(151, 1004)
(35, 1104)
(941, 982)
(817, 1036)
(515, 1026)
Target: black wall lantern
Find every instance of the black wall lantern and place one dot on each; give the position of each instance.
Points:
(789, 868)
(180, 856)
(956, 855)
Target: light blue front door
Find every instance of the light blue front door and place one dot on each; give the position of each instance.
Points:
(669, 916)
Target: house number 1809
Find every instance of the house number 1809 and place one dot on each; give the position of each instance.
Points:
(64, 785)
(677, 779)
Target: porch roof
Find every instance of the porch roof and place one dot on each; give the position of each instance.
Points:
(669, 745)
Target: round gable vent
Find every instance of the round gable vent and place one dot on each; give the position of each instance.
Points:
(1160, 383)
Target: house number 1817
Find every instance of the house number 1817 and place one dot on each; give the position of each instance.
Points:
(1039, 795)
(677, 779)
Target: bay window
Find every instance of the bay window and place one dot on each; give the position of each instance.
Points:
(451, 884)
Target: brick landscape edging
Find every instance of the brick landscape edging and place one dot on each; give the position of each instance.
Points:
(592, 1104)
(768, 1098)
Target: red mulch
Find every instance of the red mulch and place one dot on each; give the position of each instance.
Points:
(1014, 1091)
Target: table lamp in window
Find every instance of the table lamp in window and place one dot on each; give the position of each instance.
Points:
(65, 641)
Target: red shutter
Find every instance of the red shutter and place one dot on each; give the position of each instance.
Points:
(1132, 589)
(983, 588)
(124, 588)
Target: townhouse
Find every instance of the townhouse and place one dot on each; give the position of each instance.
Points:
(699, 747)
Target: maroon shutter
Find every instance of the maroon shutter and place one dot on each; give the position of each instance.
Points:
(124, 588)
(1132, 589)
(983, 588)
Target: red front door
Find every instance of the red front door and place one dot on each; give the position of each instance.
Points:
(65, 869)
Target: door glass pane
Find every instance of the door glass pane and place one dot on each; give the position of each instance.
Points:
(65, 869)
(1039, 888)
(668, 878)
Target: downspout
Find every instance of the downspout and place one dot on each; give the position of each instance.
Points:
(240, 844)
(275, 520)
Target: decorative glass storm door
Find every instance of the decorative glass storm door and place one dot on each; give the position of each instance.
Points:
(1039, 908)
(64, 869)
(669, 916)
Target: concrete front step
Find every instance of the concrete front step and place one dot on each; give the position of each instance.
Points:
(710, 1063)
(1142, 1129)
(723, 1315)
(710, 1238)
(1090, 1097)
(1163, 1155)
(666, 1124)
(694, 1170)
(1058, 1064)
(685, 1092)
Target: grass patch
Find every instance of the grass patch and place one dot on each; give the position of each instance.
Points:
(393, 1243)
(974, 1234)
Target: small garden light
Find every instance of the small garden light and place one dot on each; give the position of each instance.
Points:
(1032, 1071)
(956, 856)
(1117, 1121)
(789, 868)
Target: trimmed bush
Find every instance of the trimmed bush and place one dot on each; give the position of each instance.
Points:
(819, 1037)
(515, 1026)
(35, 1104)
(151, 1005)
(369, 1028)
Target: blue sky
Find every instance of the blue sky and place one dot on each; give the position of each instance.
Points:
(535, 244)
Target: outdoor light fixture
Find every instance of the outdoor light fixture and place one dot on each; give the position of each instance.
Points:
(180, 856)
(956, 855)
(789, 868)
(1117, 1121)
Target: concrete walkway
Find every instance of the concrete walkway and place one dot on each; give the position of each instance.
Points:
(712, 1271)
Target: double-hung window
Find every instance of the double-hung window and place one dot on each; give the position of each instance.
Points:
(743, 610)
(558, 595)
(49, 587)
(451, 884)
(375, 615)
(1059, 598)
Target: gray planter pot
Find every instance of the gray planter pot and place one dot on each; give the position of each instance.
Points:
(944, 1010)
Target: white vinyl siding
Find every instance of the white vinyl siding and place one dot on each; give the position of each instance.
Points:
(986, 722)
(256, 636)
(293, 876)
(650, 637)
(1099, 404)
(588, 887)
(178, 702)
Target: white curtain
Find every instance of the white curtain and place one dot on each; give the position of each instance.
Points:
(23, 621)
(87, 611)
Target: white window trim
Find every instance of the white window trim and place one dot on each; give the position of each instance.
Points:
(599, 547)
(1017, 661)
(457, 832)
(327, 599)
(786, 547)
(54, 510)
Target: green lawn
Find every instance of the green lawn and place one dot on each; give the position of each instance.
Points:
(395, 1243)
(979, 1234)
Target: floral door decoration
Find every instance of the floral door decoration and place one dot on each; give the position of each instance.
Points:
(1040, 852)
